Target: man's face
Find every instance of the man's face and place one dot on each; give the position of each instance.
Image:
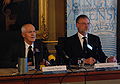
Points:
(29, 34)
(83, 25)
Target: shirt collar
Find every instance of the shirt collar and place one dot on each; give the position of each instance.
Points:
(81, 36)
(27, 45)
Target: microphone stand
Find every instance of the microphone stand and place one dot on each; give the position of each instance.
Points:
(69, 61)
(80, 63)
(69, 65)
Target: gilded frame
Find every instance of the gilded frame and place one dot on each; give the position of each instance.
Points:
(42, 33)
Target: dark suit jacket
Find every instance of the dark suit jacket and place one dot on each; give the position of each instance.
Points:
(18, 51)
(73, 49)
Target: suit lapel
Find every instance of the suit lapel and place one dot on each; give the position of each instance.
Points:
(78, 42)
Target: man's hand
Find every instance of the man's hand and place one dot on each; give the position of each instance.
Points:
(44, 62)
(111, 59)
(29, 63)
(89, 61)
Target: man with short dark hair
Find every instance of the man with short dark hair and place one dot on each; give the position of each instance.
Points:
(84, 45)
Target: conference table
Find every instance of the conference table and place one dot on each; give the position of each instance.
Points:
(69, 77)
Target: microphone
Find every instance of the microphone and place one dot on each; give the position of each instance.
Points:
(60, 48)
(62, 54)
(66, 56)
(68, 59)
(51, 59)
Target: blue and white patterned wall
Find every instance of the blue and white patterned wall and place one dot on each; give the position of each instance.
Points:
(103, 18)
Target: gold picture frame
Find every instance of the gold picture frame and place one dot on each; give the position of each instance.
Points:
(42, 33)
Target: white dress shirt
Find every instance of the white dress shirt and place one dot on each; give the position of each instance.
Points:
(26, 48)
(81, 38)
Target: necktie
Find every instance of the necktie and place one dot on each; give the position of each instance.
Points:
(30, 54)
(84, 44)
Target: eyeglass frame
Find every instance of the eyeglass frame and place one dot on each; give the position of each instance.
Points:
(84, 23)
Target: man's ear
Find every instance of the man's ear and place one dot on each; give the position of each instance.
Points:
(23, 35)
(77, 25)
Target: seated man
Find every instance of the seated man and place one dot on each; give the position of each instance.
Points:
(21, 49)
(83, 45)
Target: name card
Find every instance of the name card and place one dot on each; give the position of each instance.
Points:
(54, 69)
(104, 65)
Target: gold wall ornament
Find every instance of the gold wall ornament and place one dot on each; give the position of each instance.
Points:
(42, 33)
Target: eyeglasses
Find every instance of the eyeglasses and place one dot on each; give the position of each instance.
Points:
(84, 23)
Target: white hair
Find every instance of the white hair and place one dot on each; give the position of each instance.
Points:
(22, 29)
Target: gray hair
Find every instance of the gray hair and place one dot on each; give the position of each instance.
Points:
(22, 29)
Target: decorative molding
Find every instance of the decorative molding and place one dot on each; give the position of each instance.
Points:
(42, 33)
